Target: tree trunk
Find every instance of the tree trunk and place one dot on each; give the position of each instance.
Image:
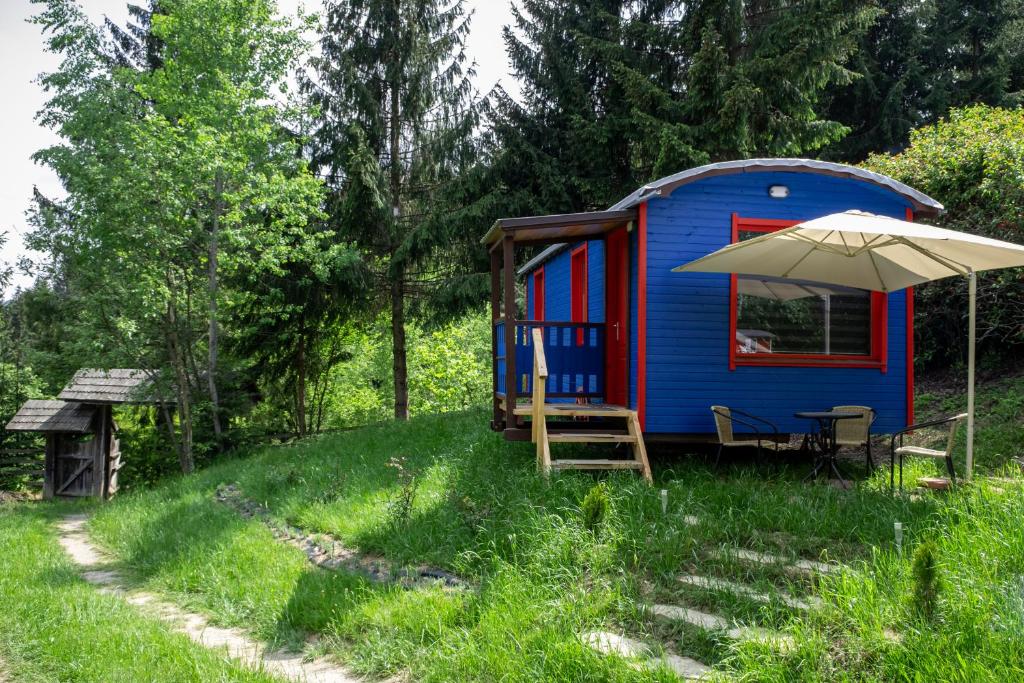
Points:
(401, 379)
(181, 387)
(214, 286)
(398, 348)
(300, 382)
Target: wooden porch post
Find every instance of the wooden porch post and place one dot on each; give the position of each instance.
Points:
(509, 263)
(497, 421)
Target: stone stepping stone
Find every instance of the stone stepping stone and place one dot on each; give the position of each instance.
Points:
(710, 583)
(609, 643)
(799, 566)
(714, 622)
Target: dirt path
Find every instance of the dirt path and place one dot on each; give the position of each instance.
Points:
(238, 645)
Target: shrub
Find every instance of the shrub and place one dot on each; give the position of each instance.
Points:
(595, 507)
(927, 583)
(972, 162)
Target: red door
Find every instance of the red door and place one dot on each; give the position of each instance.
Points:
(616, 316)
(578, 290)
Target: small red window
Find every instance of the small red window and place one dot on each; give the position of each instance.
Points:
(538, 295)
(775, 321)
(578, 286)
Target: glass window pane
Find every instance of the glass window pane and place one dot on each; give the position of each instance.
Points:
(794, 316)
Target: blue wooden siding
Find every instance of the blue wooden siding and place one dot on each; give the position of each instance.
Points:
(688, 313)
(557, 288)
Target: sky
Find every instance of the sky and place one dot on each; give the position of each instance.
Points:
(23, 58)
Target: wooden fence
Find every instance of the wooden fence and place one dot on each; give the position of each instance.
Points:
(21, 468)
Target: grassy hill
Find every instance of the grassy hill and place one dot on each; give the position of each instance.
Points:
(446, 492)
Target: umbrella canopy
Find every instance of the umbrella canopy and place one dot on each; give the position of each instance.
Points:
(867, 251)
(862, 250)
(781, 289)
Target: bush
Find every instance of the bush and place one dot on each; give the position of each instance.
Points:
(973, 162)
(595, 507)
(927, 583)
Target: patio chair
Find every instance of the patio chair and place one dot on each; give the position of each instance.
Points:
(921, 452)
(856, 433)
(724, 420)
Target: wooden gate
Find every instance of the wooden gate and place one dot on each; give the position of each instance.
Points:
(78, 465)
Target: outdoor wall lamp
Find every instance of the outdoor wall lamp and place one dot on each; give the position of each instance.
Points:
(778, 191)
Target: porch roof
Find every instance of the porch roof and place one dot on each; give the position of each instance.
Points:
(566, 227)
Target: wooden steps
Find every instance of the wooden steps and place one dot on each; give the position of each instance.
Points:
(596, 431)
(596, 465)
(570, 410)
(589, 437)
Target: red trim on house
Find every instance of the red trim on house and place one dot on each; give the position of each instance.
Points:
(733, 309)
(538, 294)
(910, 343)
(878, 360)
(641, 315)
(579, 282)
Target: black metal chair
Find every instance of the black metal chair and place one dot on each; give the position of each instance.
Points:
(919, 451)
(724, 420)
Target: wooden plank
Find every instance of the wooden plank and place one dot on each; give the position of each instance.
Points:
(584, 437)
(639, 450)
(575, 410)
(595, 464)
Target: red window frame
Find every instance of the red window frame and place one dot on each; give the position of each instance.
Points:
(877, 359)
(538, 294)
(578, 284)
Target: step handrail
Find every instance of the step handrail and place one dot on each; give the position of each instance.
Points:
(540, 380)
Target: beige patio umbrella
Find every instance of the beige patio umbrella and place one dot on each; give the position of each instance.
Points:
(867, 251)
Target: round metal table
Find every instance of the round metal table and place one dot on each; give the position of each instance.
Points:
(823, 443)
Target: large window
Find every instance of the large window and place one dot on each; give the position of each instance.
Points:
(794, 322)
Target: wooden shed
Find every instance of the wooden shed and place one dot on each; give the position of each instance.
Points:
(82, 453)
(621, 328)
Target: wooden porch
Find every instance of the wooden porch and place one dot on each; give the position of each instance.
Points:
(549, 379)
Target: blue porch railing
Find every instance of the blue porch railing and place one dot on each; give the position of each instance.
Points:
(575, 354)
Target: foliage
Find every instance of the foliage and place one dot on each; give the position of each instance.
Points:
(178, 173)
(973, 163)
(398, 121)
(400, 507)
(449, 370)
(618, 92)
(919, 60)
(927, 582)
(595, 507)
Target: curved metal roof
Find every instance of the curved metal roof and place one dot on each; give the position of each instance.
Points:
(922, 203)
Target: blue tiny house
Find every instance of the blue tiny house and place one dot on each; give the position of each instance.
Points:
(621, 328)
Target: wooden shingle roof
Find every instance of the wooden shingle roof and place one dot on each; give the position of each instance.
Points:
(120, 385)
(53, 416)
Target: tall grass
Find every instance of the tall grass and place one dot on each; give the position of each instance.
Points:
(543, 577)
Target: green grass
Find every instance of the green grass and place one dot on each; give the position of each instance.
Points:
(56, 627)
(541, 577)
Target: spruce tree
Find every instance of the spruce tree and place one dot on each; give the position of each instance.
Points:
(397, 125)
(617, 92)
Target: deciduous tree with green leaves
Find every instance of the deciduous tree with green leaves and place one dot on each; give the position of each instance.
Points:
(176, 176)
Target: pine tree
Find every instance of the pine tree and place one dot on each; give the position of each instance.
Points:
(759, 68)
(393, 86)
(617, 92)
(919, 60)
(886, 100)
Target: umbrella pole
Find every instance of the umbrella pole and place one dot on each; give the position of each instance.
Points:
(972, 287)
